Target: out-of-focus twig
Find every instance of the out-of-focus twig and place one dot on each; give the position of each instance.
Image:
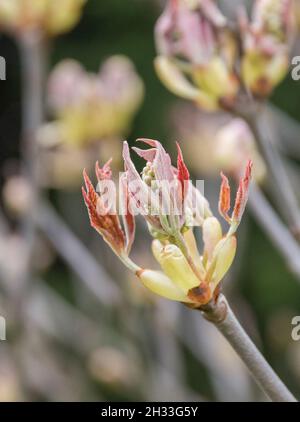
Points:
(77, 256)
(3, 224)
(283, 193)
(169, 354)
(59, 319)
(287, 130)
(163, 385)
(34, 62)
(227, 375)
(275, 229)
(223, 318)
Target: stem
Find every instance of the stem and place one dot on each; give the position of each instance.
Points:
(281, 186)
(33, 73)
(274, 228)
(222, 316)
(34, 61)
(287, 130)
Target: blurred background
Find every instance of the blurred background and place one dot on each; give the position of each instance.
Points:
(83, 328)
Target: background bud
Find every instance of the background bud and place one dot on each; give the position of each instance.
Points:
(89, 106)
(49, 16)
(17, 195)
(197, 53)
(266, 42)
(234, 145)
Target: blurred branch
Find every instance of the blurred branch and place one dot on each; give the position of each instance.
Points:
(169, 353)
(4, 229)
(228, 376)
(222, 316)
(59, 319)
(275, 229)
(229, 380)
(163, 385)
(283, 193)
(286, 129)
(34, 61)
(34, 54)
(77, 256)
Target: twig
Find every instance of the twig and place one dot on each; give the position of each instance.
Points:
(281, 186)
(31, 44)
(228, 376)
(77, 256)
(275, 229)
(61, 320)
(4, 228)
(287, 130)
(222, 316)
(34, 62)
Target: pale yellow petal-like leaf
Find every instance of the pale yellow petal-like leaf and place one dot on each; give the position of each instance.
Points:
(175, 266)
(174, 79)
(224, 254)
(193, 249)
(212, 234)
(161, 285)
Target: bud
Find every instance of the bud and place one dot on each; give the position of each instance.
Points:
(213, 139)
(90, 107)
(113, 367)
(196, 53)
(235, 139)
(162, 202)
(266, 43)
(47, 16)
(240, 200)
(186, 275)
(17, 195)
(198, 128)
(104, 219)
(178, 84)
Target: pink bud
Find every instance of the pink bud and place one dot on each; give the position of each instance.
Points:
(242, 194)
(224, 198)
(103, 221)
(183, 174)
(240, 200)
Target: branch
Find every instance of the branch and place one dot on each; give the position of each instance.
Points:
(222, 316)
(228, 376)
(275, 229)
(287, 131)
(62, 320)
(77, 256)
(281, 186)
(34, 62)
